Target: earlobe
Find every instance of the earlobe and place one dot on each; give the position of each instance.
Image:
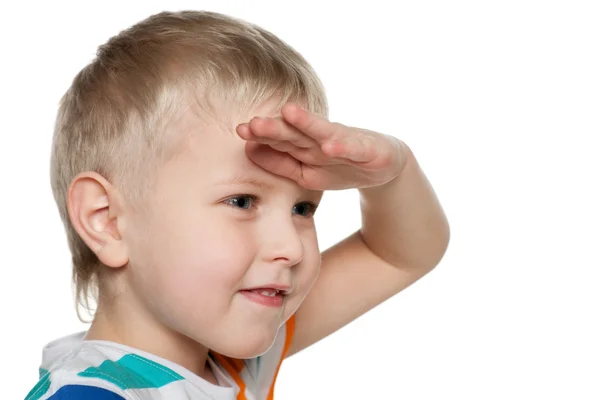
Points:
(94, 209)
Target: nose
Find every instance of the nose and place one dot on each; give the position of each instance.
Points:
(282, 243)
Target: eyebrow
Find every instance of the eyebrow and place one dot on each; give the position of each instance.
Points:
(246, 180)
(241, 179)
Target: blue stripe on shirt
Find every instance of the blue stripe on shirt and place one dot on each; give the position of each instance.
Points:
(80, 392)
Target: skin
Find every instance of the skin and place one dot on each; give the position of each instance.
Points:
(176, 271)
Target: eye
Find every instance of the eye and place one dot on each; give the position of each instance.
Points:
(305, 209)
(244, 202)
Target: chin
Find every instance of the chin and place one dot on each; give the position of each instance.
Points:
(247, 345)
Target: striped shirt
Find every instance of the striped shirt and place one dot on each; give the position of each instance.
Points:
(74, 369)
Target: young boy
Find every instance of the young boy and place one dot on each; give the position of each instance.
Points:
(188, 160)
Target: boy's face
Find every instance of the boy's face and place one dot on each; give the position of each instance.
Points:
(218, 224)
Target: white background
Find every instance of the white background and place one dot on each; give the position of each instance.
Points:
(500, 101)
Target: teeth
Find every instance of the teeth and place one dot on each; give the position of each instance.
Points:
(269, 293)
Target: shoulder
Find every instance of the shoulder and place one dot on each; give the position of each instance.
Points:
(73, 378)
(100, 372)
(63, 385)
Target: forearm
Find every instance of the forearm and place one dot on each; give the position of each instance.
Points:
(402, 221)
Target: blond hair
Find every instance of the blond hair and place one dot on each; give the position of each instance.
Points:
(115, 117)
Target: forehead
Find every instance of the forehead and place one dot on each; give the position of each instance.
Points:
(212, 153)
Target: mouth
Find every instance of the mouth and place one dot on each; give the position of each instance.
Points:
(267, 292)
(267, 296)
(271, 289)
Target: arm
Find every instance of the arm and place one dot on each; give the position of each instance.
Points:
(404, 235)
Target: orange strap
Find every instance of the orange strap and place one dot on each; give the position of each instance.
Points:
(231, 365)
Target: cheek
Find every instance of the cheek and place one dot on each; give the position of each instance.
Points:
(312, 258)
(309, 274)
(305, 277)
(191, 258)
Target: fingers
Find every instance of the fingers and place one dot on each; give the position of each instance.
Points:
(299, 132)
(359, 149)
(336, 140)
(315, 126)
(273, 130)
(274, 161)
(285, 165)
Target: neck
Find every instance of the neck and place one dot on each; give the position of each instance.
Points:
(134, 327)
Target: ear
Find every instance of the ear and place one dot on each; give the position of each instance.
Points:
(96, 212)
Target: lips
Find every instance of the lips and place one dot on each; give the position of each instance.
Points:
(271, 289)
(271, 295)
(266, 292)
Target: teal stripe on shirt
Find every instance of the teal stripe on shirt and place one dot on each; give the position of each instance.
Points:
(133, 372)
